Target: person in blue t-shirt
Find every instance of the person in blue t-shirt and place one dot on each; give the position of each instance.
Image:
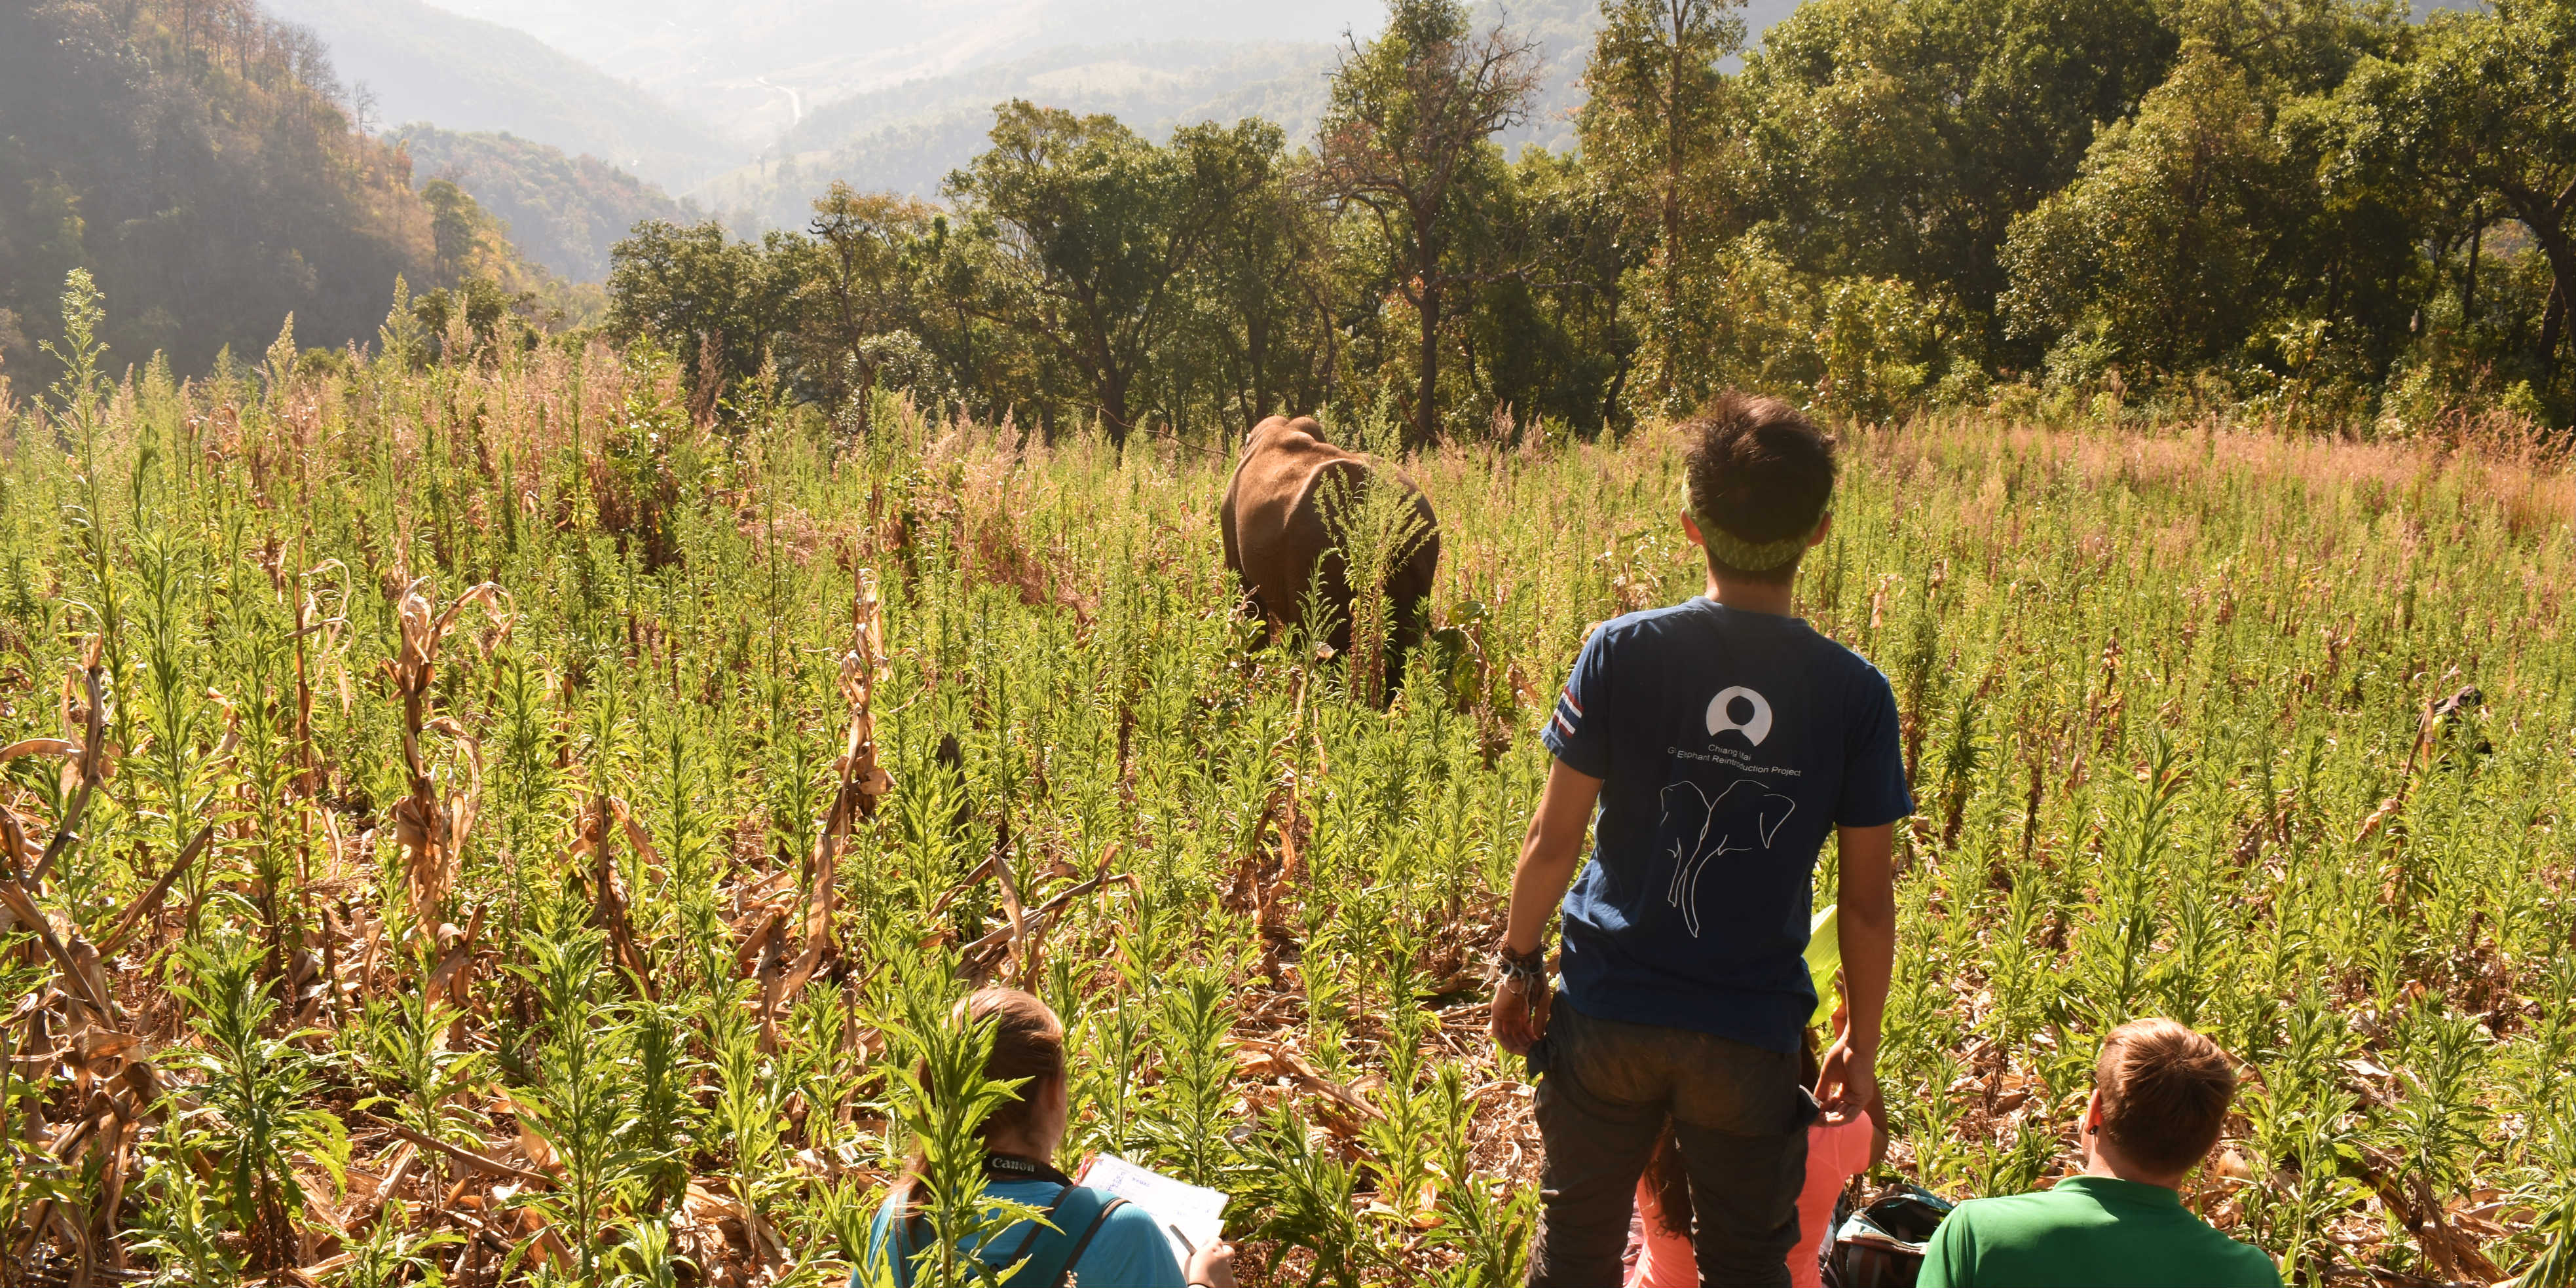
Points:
(1096, 1240)
(1722, 739)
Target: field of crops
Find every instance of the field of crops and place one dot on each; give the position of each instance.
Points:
(470, 823)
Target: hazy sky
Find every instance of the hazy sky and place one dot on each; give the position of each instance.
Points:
(672, 42)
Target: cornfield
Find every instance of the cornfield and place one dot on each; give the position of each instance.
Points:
(469, 823)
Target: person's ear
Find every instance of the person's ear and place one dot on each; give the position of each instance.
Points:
(1690, 528)
(1824, 524)
(2093, 1113)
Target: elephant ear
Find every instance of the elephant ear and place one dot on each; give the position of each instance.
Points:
(1824, 960)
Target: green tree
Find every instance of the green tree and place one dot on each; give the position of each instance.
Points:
(1258, 341)
(2487, 109)
(1085, 230)
(2161, 246)
(717, 304)
(1554, 338)
(1901, 138)
(455, 228)
(860, 290)
(1409, 124)
(1653, 128)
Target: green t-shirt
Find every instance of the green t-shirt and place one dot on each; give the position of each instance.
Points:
(2089, 1232)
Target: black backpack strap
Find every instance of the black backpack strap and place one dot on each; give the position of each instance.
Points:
(1029, 1240)
(1051, 1254)
(1075, 1258)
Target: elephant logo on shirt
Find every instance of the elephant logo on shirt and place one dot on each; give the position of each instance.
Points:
(1742, 818)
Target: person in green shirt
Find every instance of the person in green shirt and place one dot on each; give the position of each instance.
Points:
(2160, 1096)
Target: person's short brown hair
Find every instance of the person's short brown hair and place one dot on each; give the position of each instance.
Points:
(2165, 1091)
(1760, 472)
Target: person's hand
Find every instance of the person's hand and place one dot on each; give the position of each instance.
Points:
(1520, 1015)
(1848, 1082)
(1212, 1266)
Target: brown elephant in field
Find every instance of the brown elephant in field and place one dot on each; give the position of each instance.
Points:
(1275, 533)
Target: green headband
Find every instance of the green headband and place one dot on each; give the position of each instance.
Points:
(1752, 556)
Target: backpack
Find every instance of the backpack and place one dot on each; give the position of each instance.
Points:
(1077, 1213)
(1883, 1244)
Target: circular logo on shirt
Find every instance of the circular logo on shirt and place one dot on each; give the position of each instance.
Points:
(1755, 726)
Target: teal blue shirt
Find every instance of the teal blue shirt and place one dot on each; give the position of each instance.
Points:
(1129, 1251)
(2089, 1232)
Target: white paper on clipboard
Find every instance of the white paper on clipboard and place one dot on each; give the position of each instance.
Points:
(1196, 1211)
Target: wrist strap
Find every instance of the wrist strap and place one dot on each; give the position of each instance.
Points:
(1528, 969)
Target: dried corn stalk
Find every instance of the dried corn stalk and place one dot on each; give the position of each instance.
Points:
(431, 827)
(612, 905)
(862, 783)
(69, 1029)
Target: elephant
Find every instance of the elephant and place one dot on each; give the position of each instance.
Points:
(1275, 537)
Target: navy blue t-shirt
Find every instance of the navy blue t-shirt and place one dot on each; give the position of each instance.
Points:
(1729, 745)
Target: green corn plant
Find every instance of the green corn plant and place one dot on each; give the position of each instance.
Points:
(583, 1105)
(749, 1112)
(82, 385)
(2014, 1165)
(1304, 1193)
(1399, 1141)
(177, 716)
(1487, 1223)
(583, 1109)
(822, 1071)
(2551, 1194)
(1111, 1039)
(646, 1259)
(1186, 1119)
(2437, 1124)
(2114, 946)
(666, 1125)
(183, 1231)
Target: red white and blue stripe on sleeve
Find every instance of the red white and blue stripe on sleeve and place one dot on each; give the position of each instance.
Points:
(1577, 744)
(1569, 713)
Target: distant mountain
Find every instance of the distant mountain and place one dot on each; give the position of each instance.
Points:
(563, 212)
(757, 67)
(908, 136)
(198, 160)
(906, 139)
(427, 64)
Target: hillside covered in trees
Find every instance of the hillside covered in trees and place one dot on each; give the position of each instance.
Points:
(199, 162)
(563, 212)
(2320, 212)
(422, 62)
